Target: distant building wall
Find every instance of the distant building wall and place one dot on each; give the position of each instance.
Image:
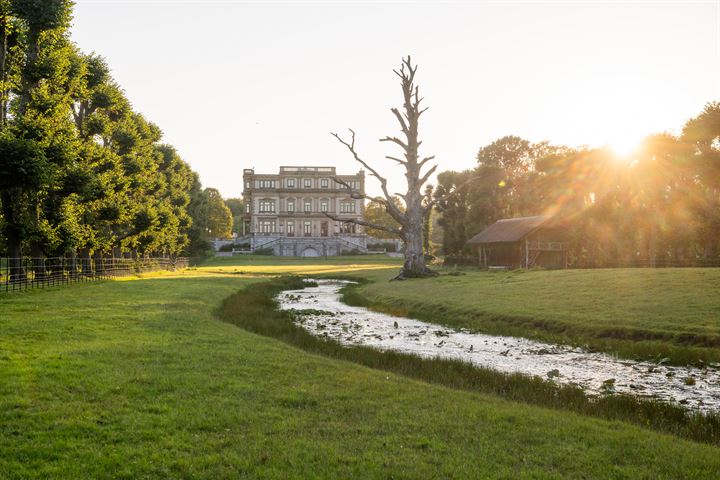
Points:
(287, 211)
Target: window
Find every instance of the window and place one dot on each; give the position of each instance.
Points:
(307, 229)
(347, 207)
(267, 226)
(307, 183)
(247, 185)
(291, 206)
(290, 229)
(353, 184)
(323, 206)
(290, 182)
(267, 206)
(247, 208)
(324, 183)
(347, 228)
(266, 183)
(308, 206)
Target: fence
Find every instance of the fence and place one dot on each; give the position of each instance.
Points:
(25, 273)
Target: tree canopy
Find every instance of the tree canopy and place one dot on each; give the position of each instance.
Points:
(81, 171)
(660, 205)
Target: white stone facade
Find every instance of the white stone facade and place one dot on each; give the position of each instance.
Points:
(286, 211)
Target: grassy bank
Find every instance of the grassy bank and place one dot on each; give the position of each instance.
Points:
(254, 309)
(138, 379)
(636, 313)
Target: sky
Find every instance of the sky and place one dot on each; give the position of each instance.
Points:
(236, 84)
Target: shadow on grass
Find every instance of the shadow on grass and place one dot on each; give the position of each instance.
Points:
(255, 309)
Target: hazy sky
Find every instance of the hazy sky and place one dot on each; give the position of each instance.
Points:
(237, 84)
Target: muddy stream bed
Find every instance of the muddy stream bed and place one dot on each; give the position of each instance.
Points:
(597, 373)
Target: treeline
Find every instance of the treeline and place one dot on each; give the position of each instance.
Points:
(659, 206)
(81, 172)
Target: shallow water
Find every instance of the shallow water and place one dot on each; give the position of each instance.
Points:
(596, 373)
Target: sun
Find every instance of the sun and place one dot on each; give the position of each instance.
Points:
(624, 146)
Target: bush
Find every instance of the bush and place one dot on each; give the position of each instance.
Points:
(226, 248)
(242, 246)
(387, 246)
(264, 251)
(460, 260)
(354, 251)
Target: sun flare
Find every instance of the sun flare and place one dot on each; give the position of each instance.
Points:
(624, 147)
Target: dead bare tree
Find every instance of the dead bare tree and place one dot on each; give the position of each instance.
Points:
(412, 218)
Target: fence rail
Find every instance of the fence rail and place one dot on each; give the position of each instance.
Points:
(29, 272)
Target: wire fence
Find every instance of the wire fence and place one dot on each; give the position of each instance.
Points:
(18, 274)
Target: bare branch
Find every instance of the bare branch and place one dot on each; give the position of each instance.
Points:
(401, 120)
(392, 209)
(401, 162)
(395, 140)
(357, 221)
(425, 160)
(389, 205)
(427, 175)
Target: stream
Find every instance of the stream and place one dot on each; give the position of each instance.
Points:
(597, 373)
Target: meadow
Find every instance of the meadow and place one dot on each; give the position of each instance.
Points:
(141, 378)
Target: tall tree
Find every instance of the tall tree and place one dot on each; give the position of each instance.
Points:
(411, 219)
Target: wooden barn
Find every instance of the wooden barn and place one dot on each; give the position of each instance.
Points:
(523, 242)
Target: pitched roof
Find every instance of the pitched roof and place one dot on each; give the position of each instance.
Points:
(509, 229)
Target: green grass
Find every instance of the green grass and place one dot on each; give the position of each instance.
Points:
(636, 313)
(138, 379)
(269, 265)
(255, 309)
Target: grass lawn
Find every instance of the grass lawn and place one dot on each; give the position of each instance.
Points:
(138, 379)
(269, 265)
(647, 313)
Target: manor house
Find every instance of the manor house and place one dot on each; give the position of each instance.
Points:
(286, 211)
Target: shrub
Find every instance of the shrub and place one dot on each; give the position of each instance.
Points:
(387, 246)
(264, 251)
(460, 260)
(226, 248)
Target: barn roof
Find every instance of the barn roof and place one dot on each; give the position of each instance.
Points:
(509, 229)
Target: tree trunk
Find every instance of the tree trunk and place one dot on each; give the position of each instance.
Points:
(85, 262)
(71, 264)
(412, 235)
(38, 262)
(13, 237)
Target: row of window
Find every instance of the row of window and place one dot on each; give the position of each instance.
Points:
(268, 226)
(268, 206)
(306, 183)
